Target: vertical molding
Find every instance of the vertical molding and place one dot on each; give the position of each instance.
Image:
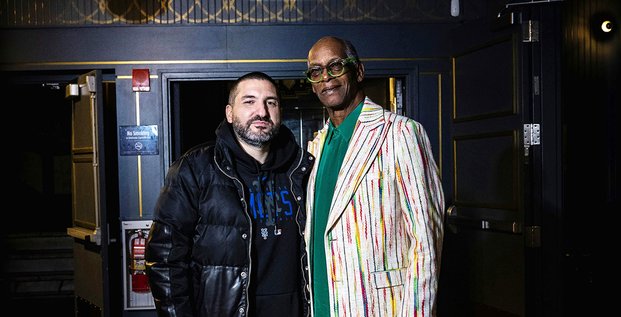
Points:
(139, 158)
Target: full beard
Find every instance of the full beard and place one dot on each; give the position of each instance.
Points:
(259, 138)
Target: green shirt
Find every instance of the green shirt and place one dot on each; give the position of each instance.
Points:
(332, 155)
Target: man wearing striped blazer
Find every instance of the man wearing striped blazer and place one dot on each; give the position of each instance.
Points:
(375, 201)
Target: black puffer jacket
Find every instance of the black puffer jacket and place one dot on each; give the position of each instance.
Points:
(199, 248)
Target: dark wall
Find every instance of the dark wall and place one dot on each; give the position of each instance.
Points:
(189, 46)
(591, 102)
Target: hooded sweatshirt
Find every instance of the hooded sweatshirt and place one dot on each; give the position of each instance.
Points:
(275, 274)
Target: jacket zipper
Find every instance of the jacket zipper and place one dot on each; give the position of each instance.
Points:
(250, 234)
(300, 202)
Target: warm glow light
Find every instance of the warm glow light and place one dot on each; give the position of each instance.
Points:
(607, 26)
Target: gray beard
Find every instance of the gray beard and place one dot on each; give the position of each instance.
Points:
(259, 139)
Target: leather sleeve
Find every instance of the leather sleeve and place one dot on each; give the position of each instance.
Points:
(170, 242)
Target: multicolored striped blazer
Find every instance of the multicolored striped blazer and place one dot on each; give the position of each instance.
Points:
(385, 227)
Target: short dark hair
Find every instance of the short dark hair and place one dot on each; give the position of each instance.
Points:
(350, 51)
(251, 75)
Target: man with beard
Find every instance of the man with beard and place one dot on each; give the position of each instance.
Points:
(226, 238)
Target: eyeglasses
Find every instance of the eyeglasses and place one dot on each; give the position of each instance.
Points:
(335, 69)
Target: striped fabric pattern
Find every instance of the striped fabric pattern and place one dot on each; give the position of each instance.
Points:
(384, 233)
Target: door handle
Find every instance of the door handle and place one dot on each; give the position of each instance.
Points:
(454, 220)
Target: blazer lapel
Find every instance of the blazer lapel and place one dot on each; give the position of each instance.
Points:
(369, 133)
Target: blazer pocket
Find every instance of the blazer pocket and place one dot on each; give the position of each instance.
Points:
(390, 278)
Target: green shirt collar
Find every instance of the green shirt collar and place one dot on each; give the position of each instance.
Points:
(346, 128)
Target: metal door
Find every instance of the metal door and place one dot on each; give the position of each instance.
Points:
(489, 231)
(89, 196)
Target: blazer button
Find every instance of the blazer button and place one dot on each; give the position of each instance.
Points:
(241, 310)
(304, 169)
(244, 274)
(244, 236)
(298, 198)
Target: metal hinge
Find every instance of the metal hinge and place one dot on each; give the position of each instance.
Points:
(91, 84)
(531, 136)
(530, 31)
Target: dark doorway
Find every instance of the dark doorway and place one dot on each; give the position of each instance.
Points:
(41, 163)
(37, 266)
(37, 273)
(198, 107)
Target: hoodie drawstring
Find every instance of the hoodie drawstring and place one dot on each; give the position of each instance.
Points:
(270, 206)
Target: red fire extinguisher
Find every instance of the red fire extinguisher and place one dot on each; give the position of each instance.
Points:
(139, 281)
